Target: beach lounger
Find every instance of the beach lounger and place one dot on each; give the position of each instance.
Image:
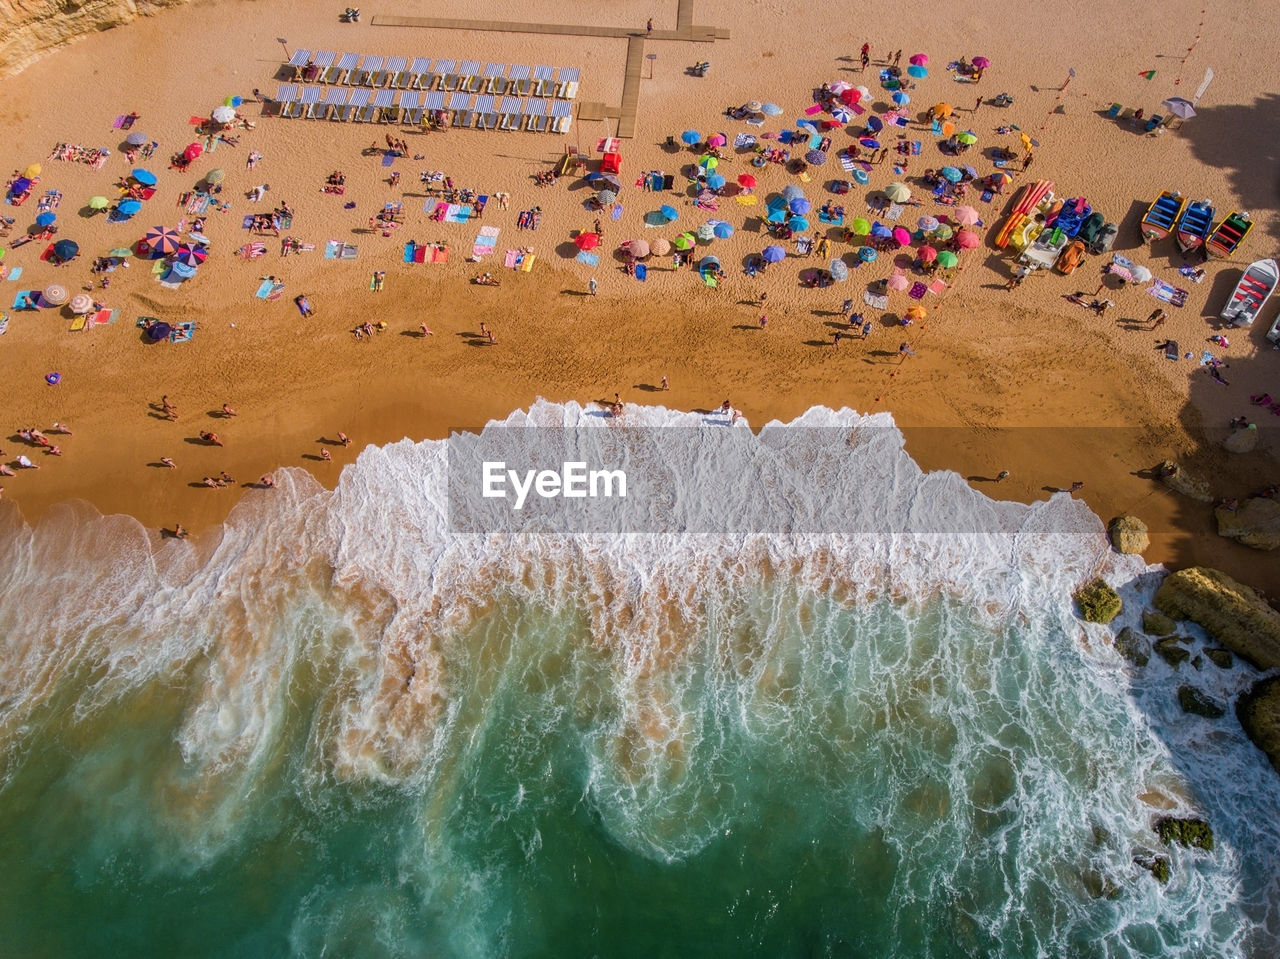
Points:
(510, 111)
(469, 71)
(486, 112)
(494, 81)
(536, 111)
(1155, 121)
(357, 76)
(340, 72)
(519, 80)
(567, 83)
(408, 108)
(562, 114)
(334, 99)
(544, 81)
(310, 101)
(446, 72)
(460, 106)
(418, 71)
(374, 74)
(395, 69)
(355, 107)
(381, 108)
(286, 96)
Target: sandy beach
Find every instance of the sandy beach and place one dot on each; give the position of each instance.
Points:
(1018, 380)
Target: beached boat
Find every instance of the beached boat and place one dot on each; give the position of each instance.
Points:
(1251, 293)
(1030, 197)
(1194, 225)
(1044, 252)
(1072, 216)
(1228, 235)
(1162, 215)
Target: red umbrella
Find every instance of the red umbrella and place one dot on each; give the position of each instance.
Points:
(161, 241)
(746, 179)
(902, 235)
(193, 151)
(192, 255)
(927, 254)
(967, 240)
(587, 241)
(850, 96)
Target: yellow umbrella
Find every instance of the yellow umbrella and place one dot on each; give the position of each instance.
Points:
(32, 171)
(942, 110)
(897, 192)
(916, 313)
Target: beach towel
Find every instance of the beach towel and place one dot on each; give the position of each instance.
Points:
(251, 251)
(986, 196)
(894, 212)
(77, 324)
(170, 280)
(198, 204)
(587, 257)
(4, 323)
(119, 122)
(1168, 293)
(709, 278)
(755, 121)
(15, 273)
(439, 254)
(744, 140)
(915, 148)
(182, 333)
(937, 286)
(408, 251)
(917, 290)
(526, 265)
(825, 217)
(388, 159)
(1171, 351)
(668, 181)
(616, 213)
(103, 317)
(247, 223)
(332, 249)
(194, 120)
(856, 109)
(846, 162)
(457, 213)
(810, 111)
(348, 252)
(420, 254)
(512, 258)
(264, 290)
(746, 199)
(642, 272)
(877, 301)
(159, 267)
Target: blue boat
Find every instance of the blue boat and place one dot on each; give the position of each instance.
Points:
(1194, 225)
(1162, 215)
(1072, 216)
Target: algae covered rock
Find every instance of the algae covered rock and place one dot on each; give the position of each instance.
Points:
(1171, 652)
(1157, 624)
(1233, 613)
(1128, 534)
(1180, 481)
(1098, 602)
(1133, 646)
(1242, 441)
(1221, 658)
(1160, 869)
(1254, 523)
(1185, 832)
(1194, 701)
(1259, 713)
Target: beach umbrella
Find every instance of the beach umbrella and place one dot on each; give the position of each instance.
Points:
(791, 191)
(669, 213)
(80, 304)
(706, 232)
(145, 177)
(850, 97)
(129, 207)
(859, 226)
(192, 255)
(815, 157)
(776, 214)
(901, 99)
(46, 218)
(881, 231)
(606, 197)
(798, 223)
(192, 151)
(917, 313)
(1140, 274)
(660, 247)
(800, 206)
(970, 172)
(709, 263)
(965, 215)
(136, 139)
(754, 106)
(120, 251)
(804, 123)
(898, 281)
(773, 254)
(233, 101)
(723, 230)
(967, 240)
(927, 254)
(746, 180)
(98, 203)
(897, 192)
(587, 241)
(214, 176)
(66, 249)
(948, 128)
(941, 110)
(919, 59)
(927, 224)
(917, 72)
(943, 232)
(968, 137)
(638, 248)
(1000, 178)
(902, 235)
(875, 124)
(839, 270)
(839, 86)
(199, 238)
(20, 186)
(718, 140)
(184, 270)
(715, 181)
(223, 113)
(869, 143)
(55, 295)
(684, 241)
(947, 259)
(1179, 107)
(771, 109)
(32, 171)
(159, 331)
(161, 241)
(778, 201)
(708, 162)
(1027, 142)
(690, 137)
(867, 254)
(841, 115)
(951, 173)
(981, 62)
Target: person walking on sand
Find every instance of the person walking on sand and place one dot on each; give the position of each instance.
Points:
(425, 330)
(170, 411)
(324, 455)
(168, 462)
(1157, 318)
(592, 285)
(1076, 487)
(228, 411)
(1002, 476)
(665, 385)
(179, 531)
(343, 438)
(904, 349)
(648, 27)
(866, 55)
(764, 321)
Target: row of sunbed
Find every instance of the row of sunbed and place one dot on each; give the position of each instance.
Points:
(483, 112)
(421, 73)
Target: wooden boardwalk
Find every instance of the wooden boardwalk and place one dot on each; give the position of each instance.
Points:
(625, 112)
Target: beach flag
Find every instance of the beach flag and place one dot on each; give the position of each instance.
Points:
(1147, 74)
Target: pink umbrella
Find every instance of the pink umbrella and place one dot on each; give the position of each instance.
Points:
(840, 86)
(965, 216)
(922, 60)
(898, 281)
(927, 254)
(967, 239)
(718, 140)
(981, 62)
(902, 235)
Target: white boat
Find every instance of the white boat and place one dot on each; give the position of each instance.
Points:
(1251, 293)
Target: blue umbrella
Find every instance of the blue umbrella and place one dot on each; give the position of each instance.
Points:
(711, 262)
(771, 110)
(875, 124)
(867, 254)
(791, 191)
(777, 214)
(869, 143)
(715, 181)
(951, 173)
(773, 254)
(798, 223)
(917, 71)
(901, 99)
(800, 205)
(669, 212)
(130, 207)
(723, 230)
(20, 186)
(44, 219)
(690, 137)
(184, 270)
(839, 270)
(145, 177)
(776, 202)
(806, 124)
(880, 230)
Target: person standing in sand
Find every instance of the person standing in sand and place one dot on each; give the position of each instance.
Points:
(592, 285)
(343, 438)
(648, 27)
(665, 385)
(168, 462)
(170, 411)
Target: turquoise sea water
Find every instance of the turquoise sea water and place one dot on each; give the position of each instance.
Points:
(337, 731)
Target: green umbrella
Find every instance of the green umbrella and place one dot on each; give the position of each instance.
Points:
(947, 259)
(943, 231)
(859, 227)
(708, 162)
(214, 176)
(121, 251)
(683, 242)
(98, 203)
(966, 137)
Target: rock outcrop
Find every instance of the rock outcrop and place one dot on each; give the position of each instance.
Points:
(1156, 624)
(1259, 713)
(1194, 701)
(1185, 832)
(1128, 534)
(1242, 441)
(1180, 481)
(1255, 522)
(1098, 602)
(1133, 646)
(1233, 613)
(1170, 650)
(34, 27)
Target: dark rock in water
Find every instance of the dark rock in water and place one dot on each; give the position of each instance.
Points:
(1169, 650)
(1157, 624)
(1099, 886)
(1185, 832)
(1128, 534)
(1220, 657)
(1197, 662)
(1193, 700)
(1098, 602)
(1133, 646)
(1236, 615)
(1259, 713)
(1160, 869)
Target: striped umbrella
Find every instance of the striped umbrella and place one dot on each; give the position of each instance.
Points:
(136, 138)
(80, 304)
(55, 295)
(839, 270)
(927, 224)
(943, 231)
(638, 248)
(192, 255)
(660, 247)
(706, 232)
(161, 241)
(684, 241)
(867, 254)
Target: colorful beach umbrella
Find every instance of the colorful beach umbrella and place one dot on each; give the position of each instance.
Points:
(941, 110)
(898, 281)
(192, 255)
(999, 179)
(897, 192)
(754, 106)
(968, 137)
(32, 171)
(746, 180)
(881, 231)
(121, 251)
(708, 162)
(951, 173)
(869, 143)
(718, 140)
(771, 109)
(839, 270)
(967, 240)
(136, 138)
(776, 214)
(715, 181)
(129, 207)
(773, 254)
(947, 259)
(723, 230)
(981, 62)
(867, 254)
(804, 123)
(815, 157)
(690, 137)
(638, 248)
(80, 304)
(46, 218)
(800, 206)
(918, 72)
(1179, 107)
(660, 247)
(66, 249)
(684, 241)
(798, 223)
(927, 254)
(901, 99)
(145, 177)
(902, 235)
(20, 186)
(161, 241)
(917, 312)
(875, 124)
(841, 115)
(192, 151)
(706, 232)
(965, 215)
(969, 171)
(98, 203)
(669, 213)
(587, 241)
(859, 226)
(927, 224)
(606, 197)
(184, 270)
(948, 128)
(919, 59)
(55, 295)
(223, 113)
(943, 232)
